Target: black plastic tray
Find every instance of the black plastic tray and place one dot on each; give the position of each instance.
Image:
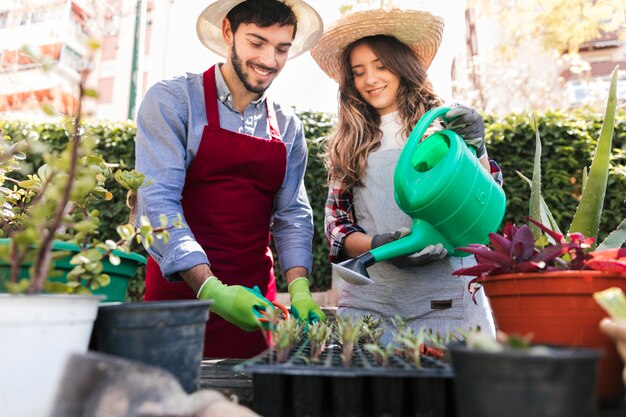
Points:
(365, 389)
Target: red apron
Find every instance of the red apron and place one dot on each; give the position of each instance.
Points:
(227, 201)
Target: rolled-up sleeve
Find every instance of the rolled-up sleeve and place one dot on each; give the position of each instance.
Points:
(161, 153)
(292, 227)
(339, 219)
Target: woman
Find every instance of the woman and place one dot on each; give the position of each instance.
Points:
(379, 58)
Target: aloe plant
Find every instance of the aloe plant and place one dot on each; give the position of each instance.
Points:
(586, 219)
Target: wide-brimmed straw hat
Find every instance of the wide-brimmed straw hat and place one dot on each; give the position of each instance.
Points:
(421, 31)
(209, 26)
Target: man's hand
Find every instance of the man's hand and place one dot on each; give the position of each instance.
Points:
(429, 254)
(467, 123)
(234, 303)
(302, 305)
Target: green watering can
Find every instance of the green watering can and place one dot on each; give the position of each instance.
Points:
(450, 197)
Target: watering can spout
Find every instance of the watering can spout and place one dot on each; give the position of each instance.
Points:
(354, 270)
(422, 234)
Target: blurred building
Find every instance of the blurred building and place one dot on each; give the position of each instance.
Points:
(499, 79)
(591, 79)
(44, 48)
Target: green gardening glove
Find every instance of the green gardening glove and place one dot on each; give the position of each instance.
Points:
(302, 305)
(234, 303)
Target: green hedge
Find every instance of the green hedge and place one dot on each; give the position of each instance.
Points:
(568, 142)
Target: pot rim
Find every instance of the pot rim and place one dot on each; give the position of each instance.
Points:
(550, 274)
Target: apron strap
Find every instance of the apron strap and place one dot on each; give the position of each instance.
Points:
(272, 121)
(210, 97)
(212, 113)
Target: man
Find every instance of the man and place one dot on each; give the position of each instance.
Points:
(232, 163)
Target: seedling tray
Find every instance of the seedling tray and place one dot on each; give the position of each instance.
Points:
(365, 389)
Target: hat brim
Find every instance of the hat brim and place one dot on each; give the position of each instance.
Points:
(209, 26)
(421, 31)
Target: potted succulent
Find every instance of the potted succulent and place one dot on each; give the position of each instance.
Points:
(47, 223)
(508, 376)
(539, 281)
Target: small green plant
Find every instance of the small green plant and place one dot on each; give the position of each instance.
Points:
(348, 332)
(372, 330)
(319, 333)
(284, 336)
(380, 354)
(410, 344)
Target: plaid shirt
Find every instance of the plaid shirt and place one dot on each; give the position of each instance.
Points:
(340, 220)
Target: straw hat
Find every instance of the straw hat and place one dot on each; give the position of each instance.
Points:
(209, 26)
(421, 31)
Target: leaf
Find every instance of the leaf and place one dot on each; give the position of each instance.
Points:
(489, 254)
(530, 266)
(615, 239)
(609, 253)
(27, 184)
(535, 188)
(90, 92)
(103, 280)
(114, 259)
(607, 265)
(500, 243)
(554, 235)
(549, 253)
(587, 217)
(475, 271)
(523, 245)
(546, 216)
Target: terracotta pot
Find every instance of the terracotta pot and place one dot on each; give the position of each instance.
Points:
(558, 308)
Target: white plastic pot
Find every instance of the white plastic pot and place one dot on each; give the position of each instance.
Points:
(37, 333)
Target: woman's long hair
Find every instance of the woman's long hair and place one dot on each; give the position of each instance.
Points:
(357, 132)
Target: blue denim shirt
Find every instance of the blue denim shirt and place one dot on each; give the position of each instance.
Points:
(170, 123)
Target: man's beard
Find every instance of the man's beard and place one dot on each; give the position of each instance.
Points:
(238, 65)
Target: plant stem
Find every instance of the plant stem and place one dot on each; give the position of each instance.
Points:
(44, 255)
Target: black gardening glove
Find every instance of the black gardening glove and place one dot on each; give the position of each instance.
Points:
(428, 254)
(467, 123)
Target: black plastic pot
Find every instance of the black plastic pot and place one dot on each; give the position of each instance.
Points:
(365, 389)
(167, 334)
(560, 382)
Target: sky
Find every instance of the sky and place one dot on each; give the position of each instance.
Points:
(302, 84)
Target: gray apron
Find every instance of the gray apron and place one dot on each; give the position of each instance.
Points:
(425, 296)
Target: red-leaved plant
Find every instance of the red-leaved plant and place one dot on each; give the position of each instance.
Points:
(516, 250)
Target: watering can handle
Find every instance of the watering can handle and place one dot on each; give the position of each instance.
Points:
(418, 132)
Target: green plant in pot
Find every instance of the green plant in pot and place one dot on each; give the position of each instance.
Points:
(47, 223)
(539, 281)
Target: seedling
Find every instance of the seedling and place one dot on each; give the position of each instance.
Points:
(381, 355)
(285, 335)
(410, 344)
(348, 331)
(319, 333)
(372, 330)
